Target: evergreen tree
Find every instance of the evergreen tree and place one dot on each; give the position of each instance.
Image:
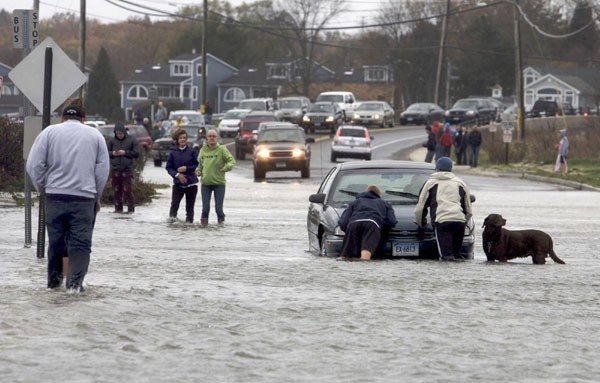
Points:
(588, 38)
(103, 90)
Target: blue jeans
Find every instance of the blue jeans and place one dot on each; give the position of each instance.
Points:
(473, 155)
(70, 222)
(219, 191)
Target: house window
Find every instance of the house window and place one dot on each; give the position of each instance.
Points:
(176, 92)
(6, 91)
(278, 71)
(195, 93)
(234, 94)
(164, 91)
(186, 91)
(529, 78)
(137, 92)
(549, 91)
(529, 97)
(569, 97)
(181, 69)
(199, 70)
(376, 74)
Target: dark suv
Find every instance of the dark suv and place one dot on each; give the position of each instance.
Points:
(543, 108)
(281, 148)
(162, 147)
(324, 114)
(477, 110)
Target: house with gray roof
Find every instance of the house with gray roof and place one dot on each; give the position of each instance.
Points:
(10, 99)
(579, 87)
(180, 79)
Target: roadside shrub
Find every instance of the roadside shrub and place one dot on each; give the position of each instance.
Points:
(11, 155)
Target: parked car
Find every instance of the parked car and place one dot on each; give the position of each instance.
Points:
(378, 113)
(476, 110)
(568, 109)
(230, 124)
(136, 131)
(280, 149)
(246, 132)
(292, 108)
(499, 106)
(544, 108)
(351, 141)
(161, 148)
(344, 100)
(324, 114)
(401, 182)
(510, 114)
(259, 104)
(422, 113)
(188, 116)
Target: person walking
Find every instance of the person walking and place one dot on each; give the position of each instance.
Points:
(464, 146)
(122, 150)
(363, 221)
(69, 164)
(147, 125)
(446, 141)
(156, 131)
(474, 145)
(214, 161)
(459, 150)
(449, 202)
(138, 118)
(181, 165)
(563, 150)
(161, 114)
(429, 145)
(208, 112)
(439, 149)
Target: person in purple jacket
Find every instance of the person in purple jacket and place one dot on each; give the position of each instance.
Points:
(363, 222)
(181, 165)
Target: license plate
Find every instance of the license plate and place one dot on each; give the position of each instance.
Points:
(280, 164)
(408, 118)
(400, 249)
(317, 124)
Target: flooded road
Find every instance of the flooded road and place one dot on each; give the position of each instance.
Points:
(246, 302)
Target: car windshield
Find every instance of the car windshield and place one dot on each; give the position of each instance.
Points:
(398, 186)
(235, 115)
(192, 131)
(289, 104)
(331, 97)
(106, 130)
(189, 117)
(465, 104)
(370, 106)
(417, 108)
(254, 105)
(250, 126)
(349, 132)
(321, 108)
(281, 135)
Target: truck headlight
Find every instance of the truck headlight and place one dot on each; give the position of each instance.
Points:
(306, 118)
(356, 116)
(470, 113)
(447, 113)
(297, 153)
(377, 117)
(263, 153)
(329, 119)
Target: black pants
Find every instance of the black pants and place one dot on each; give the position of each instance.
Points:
(190, 199)
(449, 237)
(361, 235)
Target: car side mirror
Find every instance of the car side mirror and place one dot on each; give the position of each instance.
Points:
(310, 140)
(317, 198)
(472, 198)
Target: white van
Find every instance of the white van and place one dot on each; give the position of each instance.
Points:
(345, 100)
(259, 104)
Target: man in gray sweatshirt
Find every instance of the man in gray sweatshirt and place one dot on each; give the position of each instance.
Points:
(69, 163)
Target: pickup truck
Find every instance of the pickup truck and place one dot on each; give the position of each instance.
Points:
(345, 100)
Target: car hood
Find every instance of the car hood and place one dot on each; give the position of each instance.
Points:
(230, 122)
(413, 112)
(462, 110)
(279, 145)
(404, 214)
(320, 114)
(289, 110)
(163, 140)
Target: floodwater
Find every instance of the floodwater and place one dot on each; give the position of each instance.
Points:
(247, 303)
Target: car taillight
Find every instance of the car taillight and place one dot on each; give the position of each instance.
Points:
(368, 138)
(337, 136)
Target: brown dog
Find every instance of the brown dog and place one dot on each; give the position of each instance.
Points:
(501, 244)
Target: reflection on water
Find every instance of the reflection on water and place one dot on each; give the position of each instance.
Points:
(246, 302)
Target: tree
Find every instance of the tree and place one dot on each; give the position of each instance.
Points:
(588, 38)
(103, 89)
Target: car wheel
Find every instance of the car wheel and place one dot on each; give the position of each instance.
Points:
(305, 173)
(259, 173)
(157, 163)
(333, 157)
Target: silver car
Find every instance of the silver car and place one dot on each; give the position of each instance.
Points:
(377, 113)
(351, 141)
(230, 124)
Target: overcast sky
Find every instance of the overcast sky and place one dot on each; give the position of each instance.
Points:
(357, 11)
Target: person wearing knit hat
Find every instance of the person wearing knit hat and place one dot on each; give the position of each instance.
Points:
(122, 150)
(448, 200)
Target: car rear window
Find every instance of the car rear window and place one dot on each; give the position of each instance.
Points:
(370, 106)
(250, 126)
(348, 132)
(398, 186)
(331, 97)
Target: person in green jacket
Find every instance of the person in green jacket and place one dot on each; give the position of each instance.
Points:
(213, 161)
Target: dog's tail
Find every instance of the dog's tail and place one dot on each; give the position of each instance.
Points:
(553, 254)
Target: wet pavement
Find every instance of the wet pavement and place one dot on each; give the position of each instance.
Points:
(246, 303)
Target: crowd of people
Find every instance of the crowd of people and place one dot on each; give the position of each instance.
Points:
(442, 138)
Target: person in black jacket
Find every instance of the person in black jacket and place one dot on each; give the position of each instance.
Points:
(122, 150)
(474, 144)
(460, 145)
(363, 221)
(430, 144)
(181, 165)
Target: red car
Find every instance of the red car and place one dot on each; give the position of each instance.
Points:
(245, 132)
(137, 131)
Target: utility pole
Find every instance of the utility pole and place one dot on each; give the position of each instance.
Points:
(204, 31)
(519, 92)
(448, 73)
(441, 54)
(82, 43)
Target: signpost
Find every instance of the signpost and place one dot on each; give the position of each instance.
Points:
(25, 28)
(507, 138)
(34, 76)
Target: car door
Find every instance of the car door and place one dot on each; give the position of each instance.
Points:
(315, 211)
